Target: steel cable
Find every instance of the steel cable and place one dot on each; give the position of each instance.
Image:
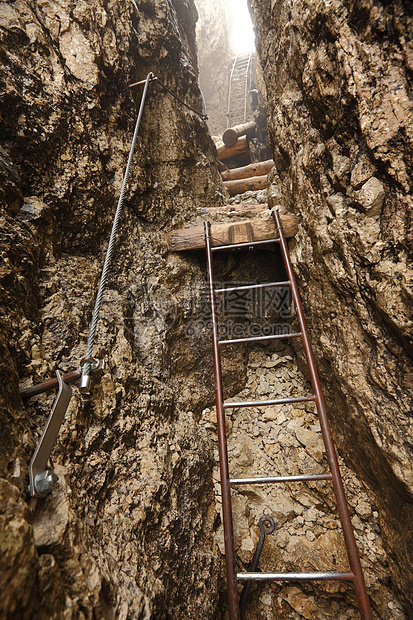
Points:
(200, 114)
(86, 366)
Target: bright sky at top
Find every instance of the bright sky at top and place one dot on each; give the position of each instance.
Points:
(242, 33)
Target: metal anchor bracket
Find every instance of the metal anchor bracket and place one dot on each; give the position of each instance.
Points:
(254, 562)
(42, 480)
(87, 366)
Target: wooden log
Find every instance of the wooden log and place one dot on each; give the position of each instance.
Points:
(252, 170)
(231, 135)
(256, 229)
(241, 146)
(245, 185)
(217, 140)
(242, 206)
(222, 167)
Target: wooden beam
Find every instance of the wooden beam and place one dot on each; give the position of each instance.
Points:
(242, 206)
(222, 167)
(217, 140)
(252, 170)
(241, 146)
(257, 229)
(245, 185)
(231, 135)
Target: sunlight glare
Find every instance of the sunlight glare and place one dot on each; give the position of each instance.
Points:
(242, 33)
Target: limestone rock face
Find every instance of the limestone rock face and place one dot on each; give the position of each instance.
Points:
(131, 530)
(127, 533)
(215, 58)
(338, 77)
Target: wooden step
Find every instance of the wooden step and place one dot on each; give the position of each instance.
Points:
(231, 135)
(222, 167)
(256, 229)
(242, 206)
(245, 185)
(241, 146)
(252, 170)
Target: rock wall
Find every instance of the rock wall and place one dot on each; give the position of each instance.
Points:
(215, 60)
(127, 533)
(340, 110)
(129, 530)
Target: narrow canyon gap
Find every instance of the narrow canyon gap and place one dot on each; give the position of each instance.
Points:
(132, 529)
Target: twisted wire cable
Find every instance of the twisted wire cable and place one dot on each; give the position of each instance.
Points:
(106, 266)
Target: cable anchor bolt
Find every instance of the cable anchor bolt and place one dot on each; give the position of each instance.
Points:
(267, 526)
(153, 78)
(44, 483)
(88, 365)
(42, 480)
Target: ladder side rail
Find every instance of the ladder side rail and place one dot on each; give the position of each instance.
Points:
(352, 551)
(222, 443)
(246, 86)
(229, 92)
(237, 113)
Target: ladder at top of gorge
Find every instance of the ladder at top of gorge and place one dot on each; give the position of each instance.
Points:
(239, 87)
(355, 574)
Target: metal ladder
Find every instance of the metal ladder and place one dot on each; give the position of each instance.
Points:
(239, 87)
(355, 574)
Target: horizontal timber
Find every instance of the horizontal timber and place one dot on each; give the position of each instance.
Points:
(226, 234)
(245, 185)
(232, 134)
(241, 146)
(245, 172)
(242, 206)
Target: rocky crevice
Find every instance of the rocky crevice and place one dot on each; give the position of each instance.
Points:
(132, 530)
(339, 121)
(131, 515)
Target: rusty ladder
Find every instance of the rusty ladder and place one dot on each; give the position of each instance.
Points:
(355, 574)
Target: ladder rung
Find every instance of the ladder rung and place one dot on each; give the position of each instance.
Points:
(252, 286)
(276, 479)
(260, 338)
(266, 403)
(335, 576)
(245, 244)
